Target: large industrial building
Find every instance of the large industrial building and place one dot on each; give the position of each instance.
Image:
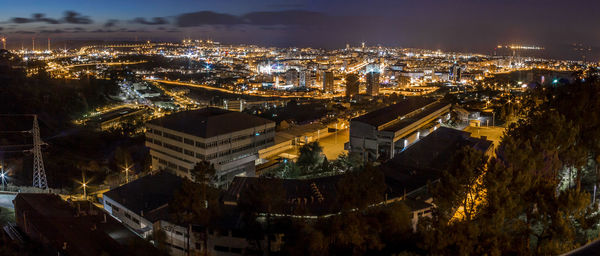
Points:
(408, 174)
(379, 135)
(228, 140)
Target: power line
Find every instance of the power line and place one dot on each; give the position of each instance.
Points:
(39, 172)
(18, 145)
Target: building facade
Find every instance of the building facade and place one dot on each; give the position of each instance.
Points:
(373, 83)
(352, 85)
(381, 134)
(328, 82)
(228, 140)
(291, 77)
(143, 206)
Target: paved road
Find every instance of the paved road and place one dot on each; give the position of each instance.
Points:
(493, 133)
(333, 145)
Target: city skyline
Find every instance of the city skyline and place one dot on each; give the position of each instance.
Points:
(563, 28)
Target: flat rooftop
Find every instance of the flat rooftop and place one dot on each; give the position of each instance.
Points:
(114, 114)
(390, 113)
(78, 228)
(209, 122)
(420, 115)
(147, 193)
(425, 160)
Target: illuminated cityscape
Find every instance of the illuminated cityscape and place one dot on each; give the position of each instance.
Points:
(299, 128)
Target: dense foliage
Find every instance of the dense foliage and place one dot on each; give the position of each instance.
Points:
(537, 199)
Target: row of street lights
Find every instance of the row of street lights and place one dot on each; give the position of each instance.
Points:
(84, 183)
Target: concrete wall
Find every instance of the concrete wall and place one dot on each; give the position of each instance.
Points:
(143, 228)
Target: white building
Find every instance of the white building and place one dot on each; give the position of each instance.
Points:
(229, 140)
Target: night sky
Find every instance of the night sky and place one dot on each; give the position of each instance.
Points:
(470, 25)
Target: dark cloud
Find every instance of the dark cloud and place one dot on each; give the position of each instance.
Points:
(36, 17)
(23, 32)
(1, 28)
(70, 17)
(110, 23)
(102, 31)
(125, 30)
(121, 30)
(153, 21)
(76, 18)
(76, 29)
(55, 31)
(21, 20)
(206, 18)
(40, 17)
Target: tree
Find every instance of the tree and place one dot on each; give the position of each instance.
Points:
(347, 162)
(202, 204)
(122, 157)
(310, 157)
(203, 172)
(460, 191)
(197, 204)
(160, 238)
(385, 229)
(361, 188)
(265, 196)
(535, 202)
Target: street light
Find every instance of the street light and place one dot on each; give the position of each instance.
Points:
(3, 177)
(126, 170)
(127, 174)
(84, 190)
(84, 185)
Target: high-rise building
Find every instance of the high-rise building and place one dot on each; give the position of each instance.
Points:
(352, 84)
(328, 82)
(302, 78)
(291, 77)
(455, 73)
(373, 83)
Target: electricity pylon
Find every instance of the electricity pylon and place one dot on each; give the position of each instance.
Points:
(39, 174)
